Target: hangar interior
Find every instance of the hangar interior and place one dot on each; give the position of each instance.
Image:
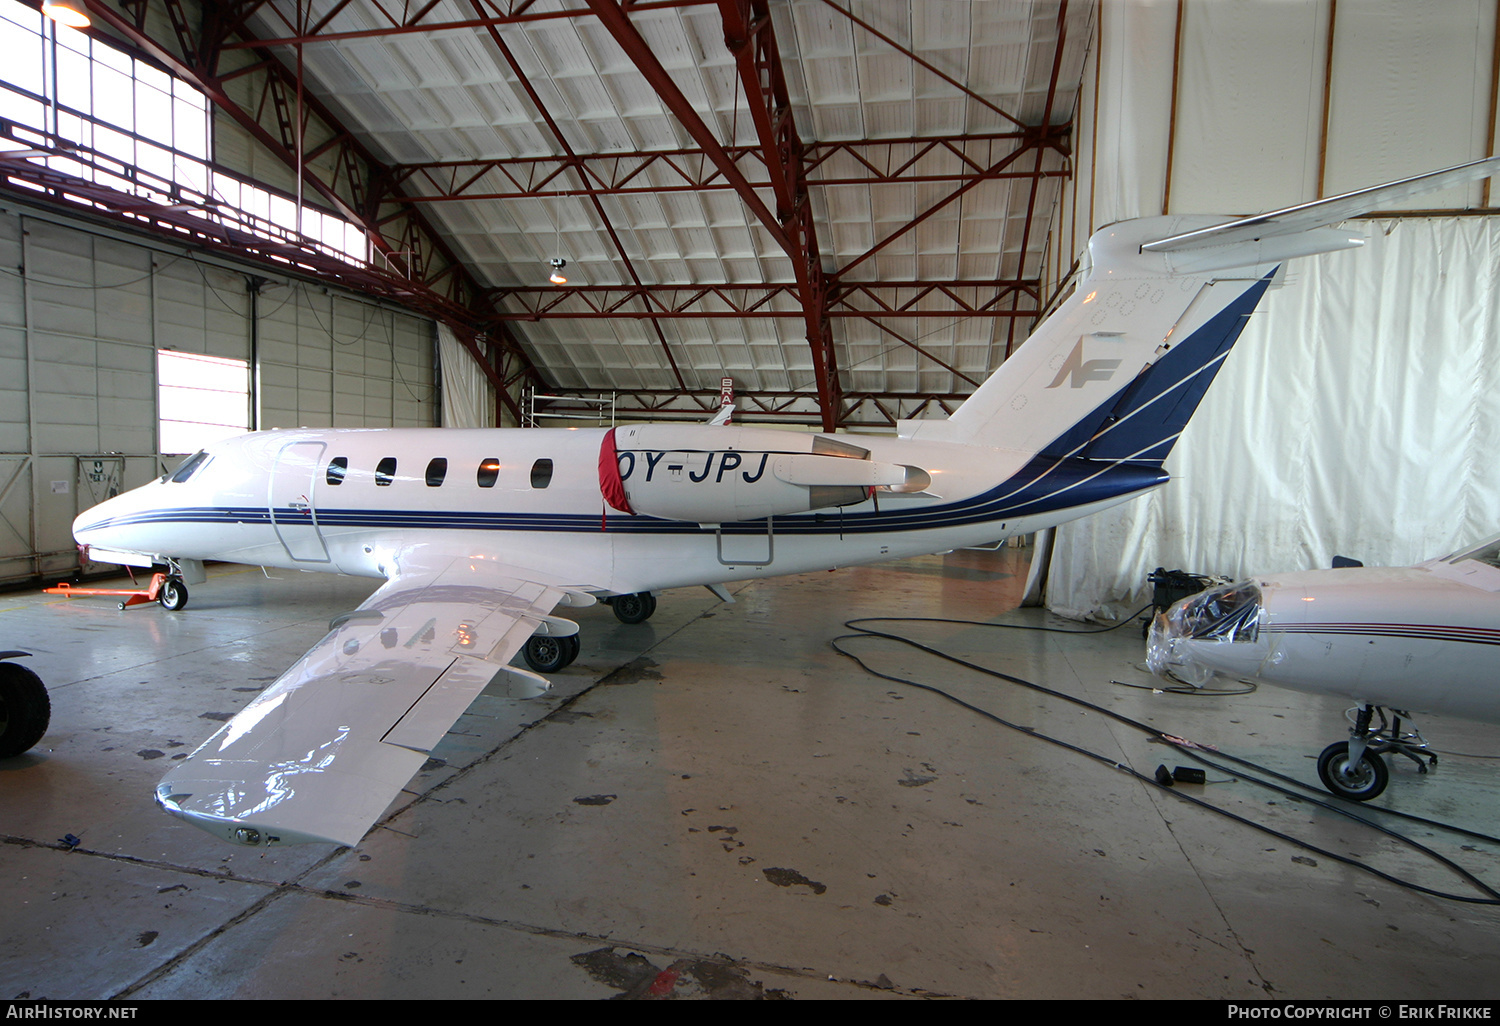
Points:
(855, 212)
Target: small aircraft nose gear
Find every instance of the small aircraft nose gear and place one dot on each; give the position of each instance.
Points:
(173, 594)
(636, 607)
(1354, 770)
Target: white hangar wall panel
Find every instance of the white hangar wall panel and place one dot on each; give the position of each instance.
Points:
(82, 315)
(1410, 92)
(79, 384)
(1130, 143)
(331, 360)
(1247, 126)
(1277, 103)
(1231, 113)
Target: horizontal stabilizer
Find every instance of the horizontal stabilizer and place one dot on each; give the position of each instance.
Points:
(1308, 216)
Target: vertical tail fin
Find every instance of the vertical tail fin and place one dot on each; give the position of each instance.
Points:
(1119, 368)
(1116, 372)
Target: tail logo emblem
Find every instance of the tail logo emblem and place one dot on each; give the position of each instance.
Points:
(1080, 371)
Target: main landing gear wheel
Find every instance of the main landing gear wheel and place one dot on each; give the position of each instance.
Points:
(634, 608)
(547, 653)
(25, 709)
(1356, 783)
(174, 594)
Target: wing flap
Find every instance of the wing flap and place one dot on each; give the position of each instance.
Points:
(429, 718)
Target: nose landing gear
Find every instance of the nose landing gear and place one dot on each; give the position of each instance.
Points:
(1354, 770)
(173, 594)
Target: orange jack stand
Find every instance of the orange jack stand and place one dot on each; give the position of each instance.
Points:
(134, 596)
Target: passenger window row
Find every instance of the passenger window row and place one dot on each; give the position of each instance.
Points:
(437, 472)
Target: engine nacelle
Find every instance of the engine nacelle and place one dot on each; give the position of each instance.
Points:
(715, 475)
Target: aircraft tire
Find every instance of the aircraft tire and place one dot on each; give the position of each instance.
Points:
(574, 646)
(174, 594)
(25, 709)
(1367, 782)
(547, 654)
(634, 608)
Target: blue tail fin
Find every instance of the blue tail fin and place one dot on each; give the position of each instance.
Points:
(1141, 422)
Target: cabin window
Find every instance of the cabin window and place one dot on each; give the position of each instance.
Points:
(189, 467)
(541, 473)
(385, 471)
(489, 472)
(337, 468)
(436, 471)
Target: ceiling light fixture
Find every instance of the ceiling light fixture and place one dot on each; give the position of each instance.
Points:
(556, 278)
(66, 14)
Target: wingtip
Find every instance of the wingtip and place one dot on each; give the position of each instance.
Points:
(249, 833)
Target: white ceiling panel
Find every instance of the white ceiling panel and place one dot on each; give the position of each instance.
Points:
(418, 97)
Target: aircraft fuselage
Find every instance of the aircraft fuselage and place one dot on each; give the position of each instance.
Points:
(346, 500)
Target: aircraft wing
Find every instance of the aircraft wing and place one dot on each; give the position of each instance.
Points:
(1307, 216)
(320, 754)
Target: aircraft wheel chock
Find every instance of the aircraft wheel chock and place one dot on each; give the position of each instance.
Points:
(1359, 783)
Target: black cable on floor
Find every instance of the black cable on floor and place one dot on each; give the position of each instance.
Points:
(1187, 748)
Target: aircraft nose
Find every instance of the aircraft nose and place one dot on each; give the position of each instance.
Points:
(100, 526)
(1167, 650)
(88, 525)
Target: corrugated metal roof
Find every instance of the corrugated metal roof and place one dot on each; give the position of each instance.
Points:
(446, 95)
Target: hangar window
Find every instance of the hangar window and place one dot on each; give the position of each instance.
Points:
(337, 468)
(489, 472)
(436, 471)
(541, 473)
(385, 471)
(130, 127)
(200, 400)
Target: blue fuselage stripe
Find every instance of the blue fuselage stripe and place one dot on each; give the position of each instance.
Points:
(1042, 486)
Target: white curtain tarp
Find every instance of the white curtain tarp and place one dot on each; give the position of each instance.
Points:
(1135, 98)
(1358, 415)
(467, 397)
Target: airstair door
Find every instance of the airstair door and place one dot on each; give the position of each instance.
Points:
(292, 502)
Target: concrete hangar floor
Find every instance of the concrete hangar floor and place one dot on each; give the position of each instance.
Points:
(717, 804)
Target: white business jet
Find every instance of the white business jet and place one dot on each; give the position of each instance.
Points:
(1423, 638)
(481, 534)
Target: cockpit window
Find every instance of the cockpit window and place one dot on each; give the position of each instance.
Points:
(1230, 612)
(189, 467)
